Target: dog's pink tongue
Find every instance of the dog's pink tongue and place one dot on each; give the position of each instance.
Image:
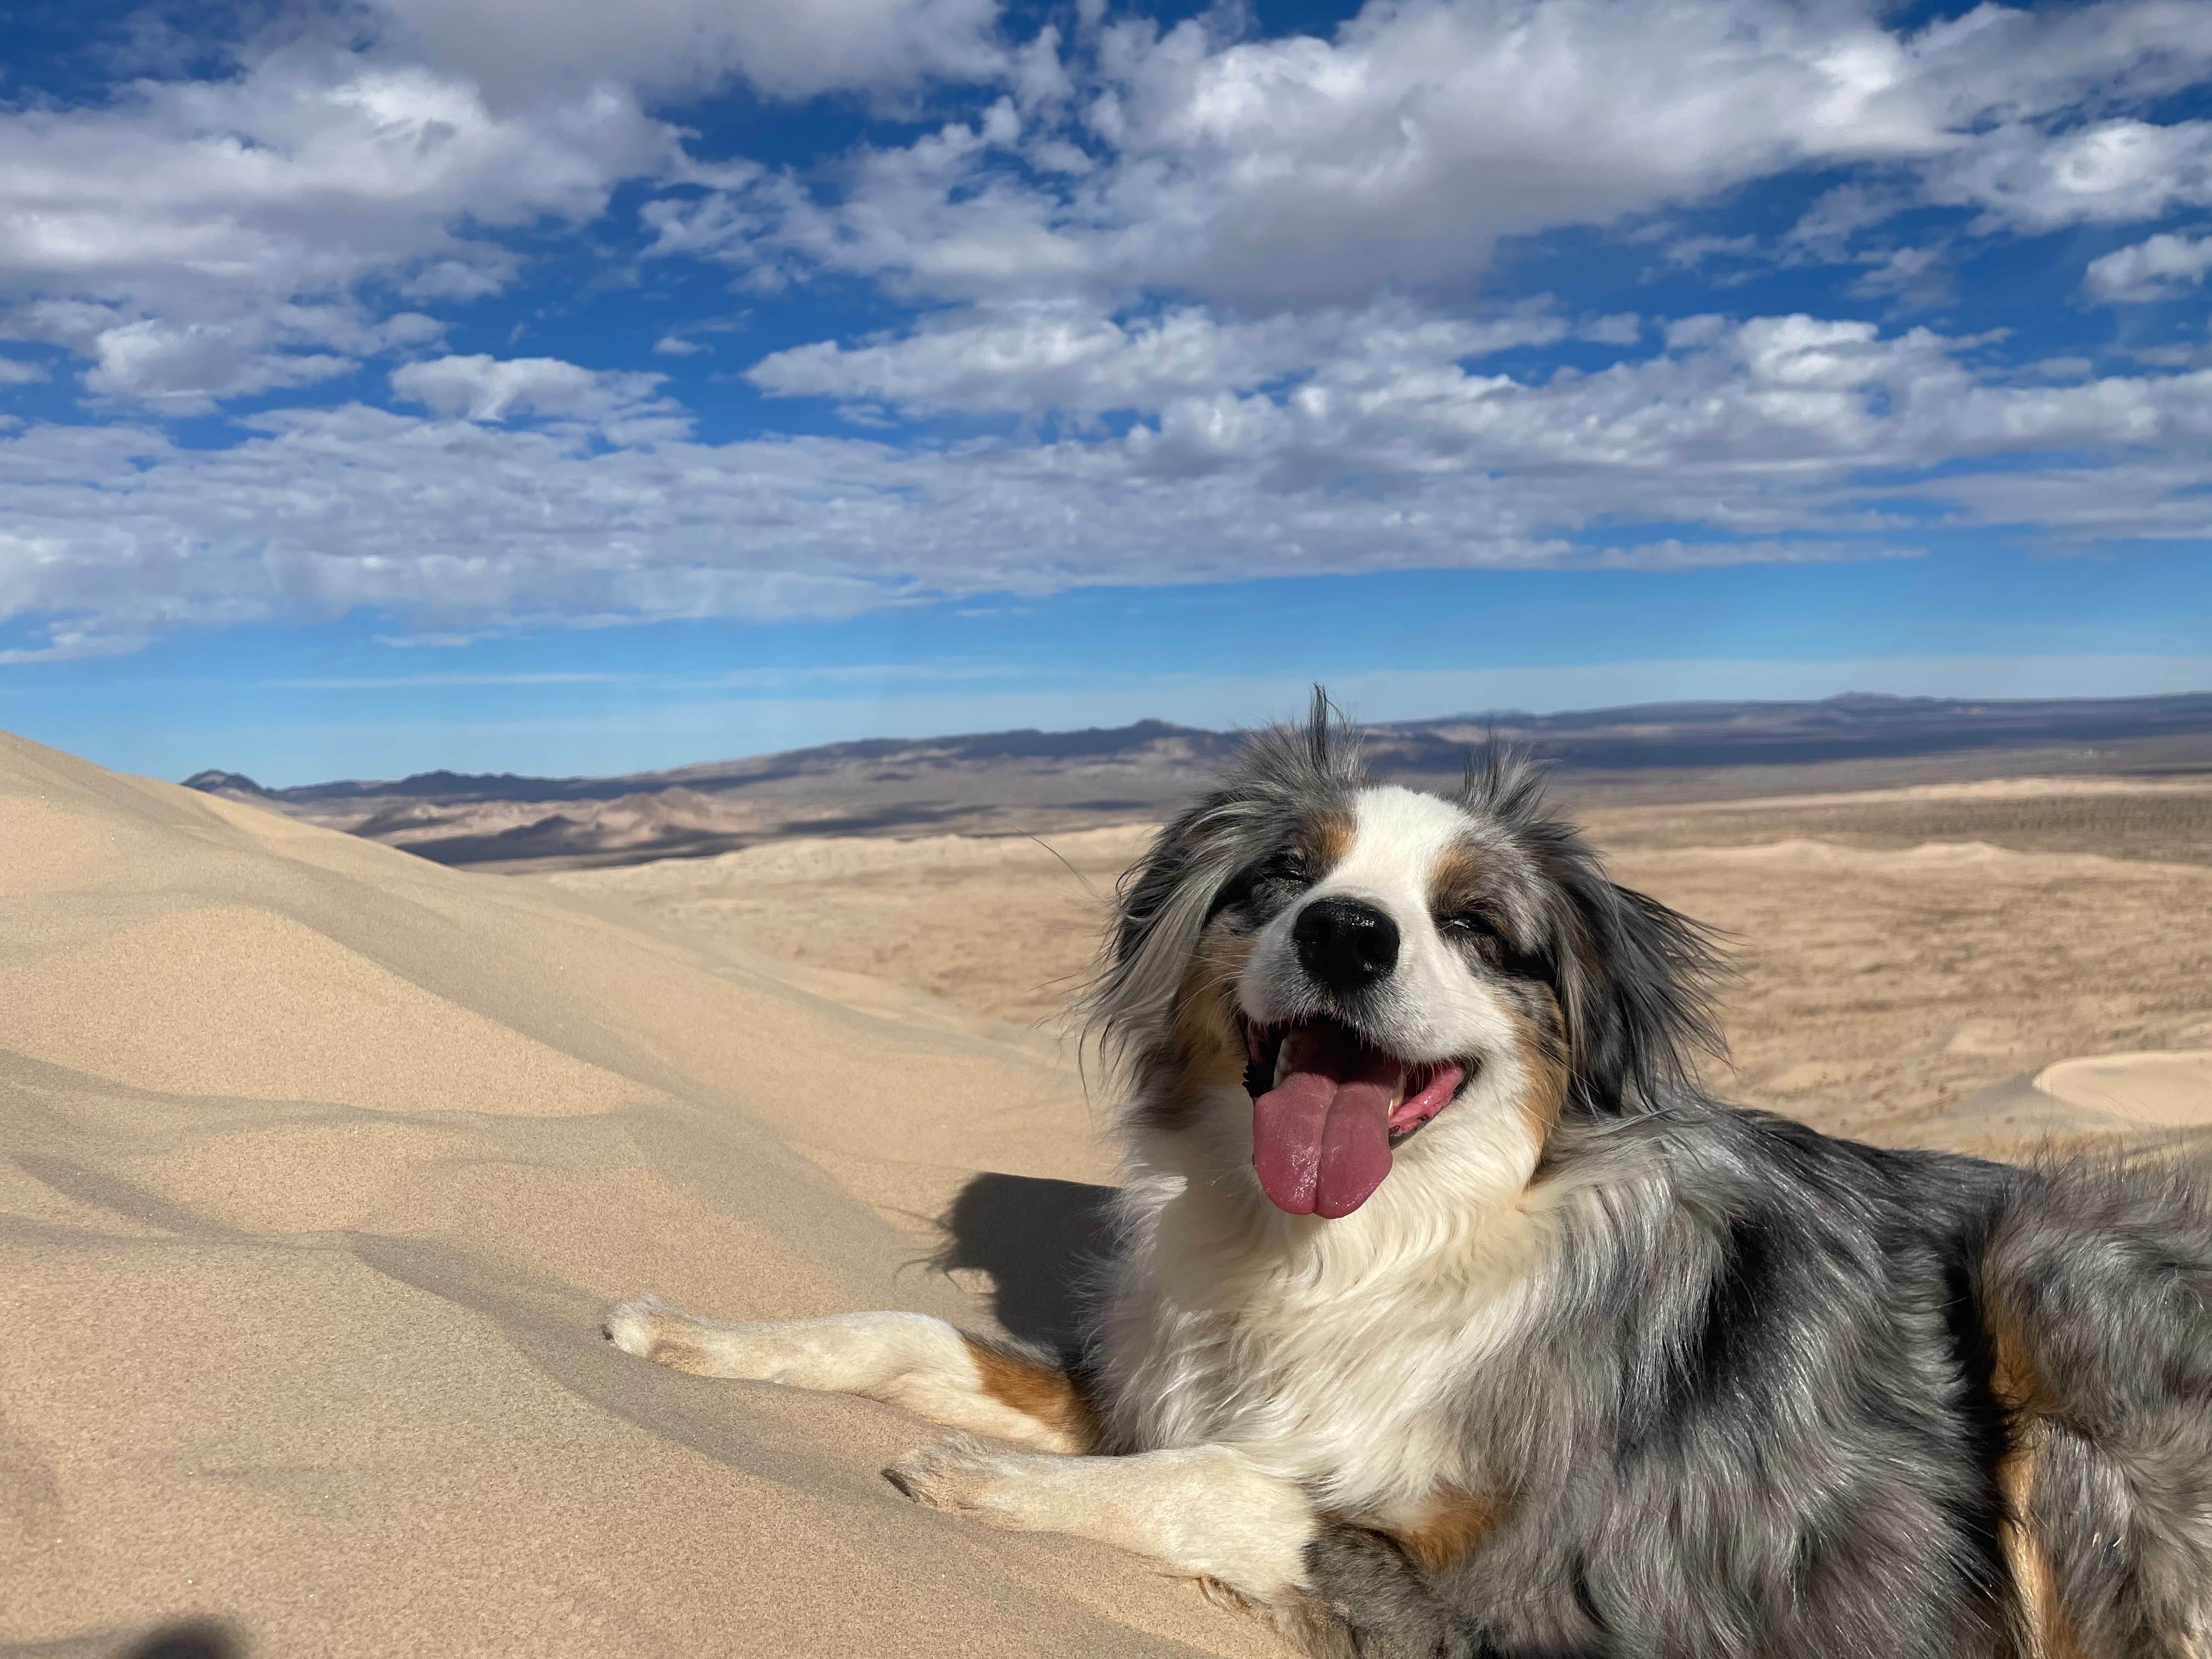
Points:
(1320, 1138)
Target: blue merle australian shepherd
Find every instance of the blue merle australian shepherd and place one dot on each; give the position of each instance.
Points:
(1448, 1318)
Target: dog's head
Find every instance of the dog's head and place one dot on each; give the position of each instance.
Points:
(1351, 964)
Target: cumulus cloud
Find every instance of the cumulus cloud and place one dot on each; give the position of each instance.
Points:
(183, 366)
(1068, 359)
(1727, 402)
(517, 48)
(313, 167)
(1762, 431)
(223, 227)
(2116, 171)
(2163, 267)
(1302, 171)
(486, 388)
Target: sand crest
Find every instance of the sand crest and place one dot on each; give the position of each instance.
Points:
(319, 1162)
(2173, 1089)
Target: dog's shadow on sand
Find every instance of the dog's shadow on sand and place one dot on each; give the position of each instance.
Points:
(194, 1638)
(1041, 1243)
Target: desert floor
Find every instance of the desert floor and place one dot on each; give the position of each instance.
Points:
(317, 1163)
(1898, 951)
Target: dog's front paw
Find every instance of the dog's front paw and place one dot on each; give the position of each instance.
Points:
(629, 1325)
(648, 1327)
(962, 1474)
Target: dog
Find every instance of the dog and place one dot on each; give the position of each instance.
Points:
(1450, 1317)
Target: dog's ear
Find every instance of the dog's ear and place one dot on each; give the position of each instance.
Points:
(1636, 989)
(1167, 896)
(1634, 979)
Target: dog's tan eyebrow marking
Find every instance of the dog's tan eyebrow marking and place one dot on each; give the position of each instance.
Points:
(1329, 837)
(1038, 1391)
(1455, 879)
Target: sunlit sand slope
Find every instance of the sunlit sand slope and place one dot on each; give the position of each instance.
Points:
(316, 1163)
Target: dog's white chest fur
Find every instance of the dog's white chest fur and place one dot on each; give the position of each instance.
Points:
(1336, 1353)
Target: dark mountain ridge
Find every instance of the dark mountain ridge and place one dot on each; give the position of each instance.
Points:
(1661, 734)
(1029, 782)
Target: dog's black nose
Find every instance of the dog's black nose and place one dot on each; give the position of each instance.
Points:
(1346, 945)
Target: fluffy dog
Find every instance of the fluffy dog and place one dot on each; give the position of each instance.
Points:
(1448, 1317)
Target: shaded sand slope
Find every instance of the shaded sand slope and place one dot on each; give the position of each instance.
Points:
(316, 1163)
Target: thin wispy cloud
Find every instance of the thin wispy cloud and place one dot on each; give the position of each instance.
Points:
(827, 677)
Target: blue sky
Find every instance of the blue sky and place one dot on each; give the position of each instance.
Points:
(561, 387)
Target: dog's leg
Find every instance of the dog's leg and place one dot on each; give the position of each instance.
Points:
(906, 1359)
(1389, 1607)
(1206, 1511)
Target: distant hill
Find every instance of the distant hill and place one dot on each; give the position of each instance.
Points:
(1010, 782)
(225, 783)
(1156, 738)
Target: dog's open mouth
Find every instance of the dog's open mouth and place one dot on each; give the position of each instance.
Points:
(1327, 1106)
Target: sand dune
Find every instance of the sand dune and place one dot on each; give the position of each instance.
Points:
(2173, 1089)
(320, 1161)
(2156, 1103)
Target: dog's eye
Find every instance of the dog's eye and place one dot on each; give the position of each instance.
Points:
(1478, 928)
(1484, 931)
(1265, 882)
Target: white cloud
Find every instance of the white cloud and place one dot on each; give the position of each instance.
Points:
(183, 368)
(222, 227)
(68, 644)
(486, 388)
(1619, 328)
(1840, 214)
(1121, 162)
(606, 509)
(1066, 358)
(1300, 172)
(674, 345)
(1672, 553)
(517, 48)
(312, 167)
(2162, 267)
(2116, 172)
(161, 362)
(473, 270)
(1792, 390)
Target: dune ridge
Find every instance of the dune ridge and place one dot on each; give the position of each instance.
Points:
(319, 1163)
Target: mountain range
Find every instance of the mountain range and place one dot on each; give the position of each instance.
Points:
(1001, 782)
